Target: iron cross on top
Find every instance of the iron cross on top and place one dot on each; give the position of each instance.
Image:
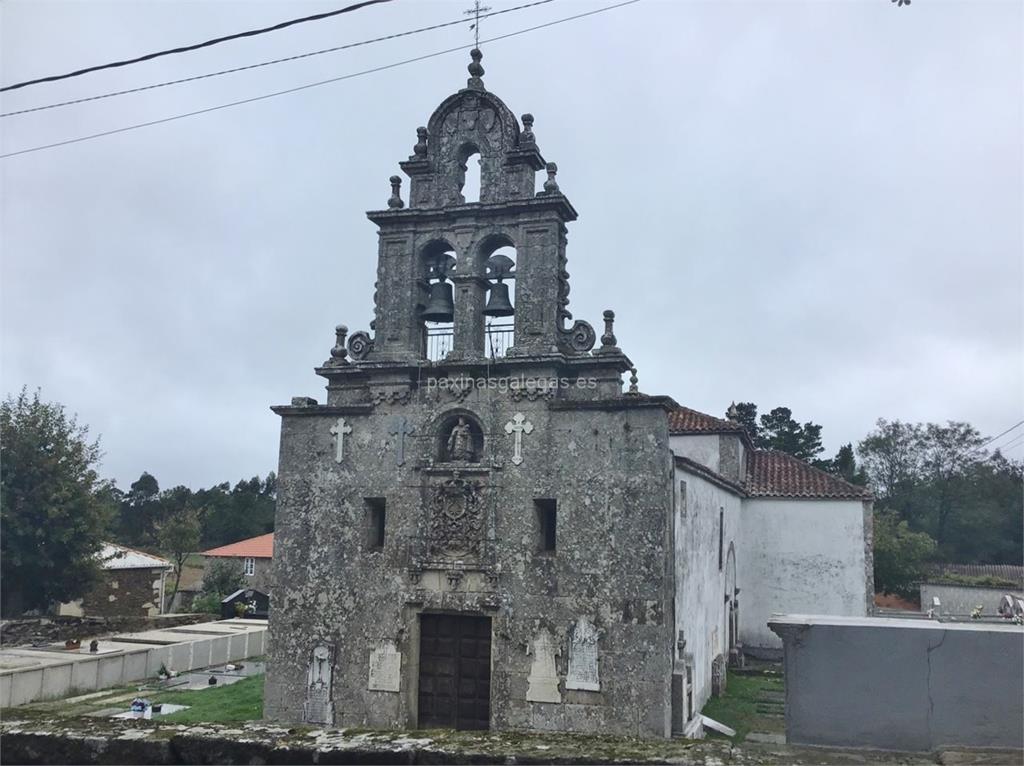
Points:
(475, 12)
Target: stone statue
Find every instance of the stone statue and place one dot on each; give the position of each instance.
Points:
(460, 442)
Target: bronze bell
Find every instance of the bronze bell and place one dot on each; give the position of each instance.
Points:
(440, 304)
(498, 304)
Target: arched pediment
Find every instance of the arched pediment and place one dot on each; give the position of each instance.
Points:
(470, 118)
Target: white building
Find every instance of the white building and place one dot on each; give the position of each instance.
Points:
(756, 533)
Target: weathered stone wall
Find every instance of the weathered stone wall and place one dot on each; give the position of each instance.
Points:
(124, 592)
(607, 465)
(898, 684)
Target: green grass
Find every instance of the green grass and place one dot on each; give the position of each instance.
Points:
(242, 701)
(738, 707)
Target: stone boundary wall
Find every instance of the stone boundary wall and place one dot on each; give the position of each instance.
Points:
(902, 684)
(24, 632)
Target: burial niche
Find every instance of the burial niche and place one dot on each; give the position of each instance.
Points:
(461, 439)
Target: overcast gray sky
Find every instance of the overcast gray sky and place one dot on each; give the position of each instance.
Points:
(811, 204)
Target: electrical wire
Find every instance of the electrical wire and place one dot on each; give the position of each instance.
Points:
(265, 63)
(989, 441)
(309, 85)
(197, 46)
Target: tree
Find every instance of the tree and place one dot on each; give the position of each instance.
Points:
(778, 430)
(221, 578)
(139, 512)
(844, 465)
(54, 508)
(179, 537)
(901, 555)
(940, 480)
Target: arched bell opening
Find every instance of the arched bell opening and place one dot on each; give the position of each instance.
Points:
(460, 438)
(437, 298)
(498, 255)
(470, 168)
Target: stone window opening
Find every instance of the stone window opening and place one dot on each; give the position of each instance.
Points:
(249, 567)
(376, 522)
(460, 439)
(470, 172)
(499, 311)
(546, 510)
(437, 300)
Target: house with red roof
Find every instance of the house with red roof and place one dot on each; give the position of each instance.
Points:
(253, 556)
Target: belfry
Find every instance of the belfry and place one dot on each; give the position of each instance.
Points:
(482, 526)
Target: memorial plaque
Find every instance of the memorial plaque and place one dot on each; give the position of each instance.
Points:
(543, 681)
(385, 668)
(583, 672)
(319, 707)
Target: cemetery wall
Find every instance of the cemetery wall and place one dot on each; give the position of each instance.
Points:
(900, 684)
(962, 599)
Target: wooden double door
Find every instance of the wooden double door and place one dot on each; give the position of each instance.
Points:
(455, 671)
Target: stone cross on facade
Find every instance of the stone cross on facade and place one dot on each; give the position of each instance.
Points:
(339, 430)
(401, 428)
(519, 425)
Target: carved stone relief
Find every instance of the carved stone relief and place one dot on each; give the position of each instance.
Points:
(319, 706)
(583, 660)
(543, 681)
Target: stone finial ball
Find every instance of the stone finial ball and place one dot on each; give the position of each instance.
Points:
(527, 119)
(341, 328)
(395, 180)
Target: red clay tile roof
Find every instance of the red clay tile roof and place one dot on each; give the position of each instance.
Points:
(683, 420)
(1011, 572)
(778, 474)
(261, 547)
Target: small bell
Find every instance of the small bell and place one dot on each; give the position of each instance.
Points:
(440, 304)
(498, 303)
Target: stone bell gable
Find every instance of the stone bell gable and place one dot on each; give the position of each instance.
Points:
(440, 238)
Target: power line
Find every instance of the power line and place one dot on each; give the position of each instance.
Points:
(309, 85)
(197, 46)
(266, 63)
(1012, 444)
(1011, 428)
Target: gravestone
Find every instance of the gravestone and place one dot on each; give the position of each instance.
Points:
(583, 672)
(385, 668)
(543, 681)
(319, 707)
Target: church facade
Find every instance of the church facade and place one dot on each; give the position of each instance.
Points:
(483, 527)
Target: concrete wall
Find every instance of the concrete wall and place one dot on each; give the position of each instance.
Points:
(896, 684)
(801, 557)
(701, 586)
(961, 599)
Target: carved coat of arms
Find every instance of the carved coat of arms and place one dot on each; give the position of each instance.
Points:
(456, 524)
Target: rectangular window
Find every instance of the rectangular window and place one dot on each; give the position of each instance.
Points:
(376, 522)
(547, 522)
(249, 567)
(681, 498)
(721, 536)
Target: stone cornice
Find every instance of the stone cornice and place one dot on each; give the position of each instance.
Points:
(322, 409)
(558, 202)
